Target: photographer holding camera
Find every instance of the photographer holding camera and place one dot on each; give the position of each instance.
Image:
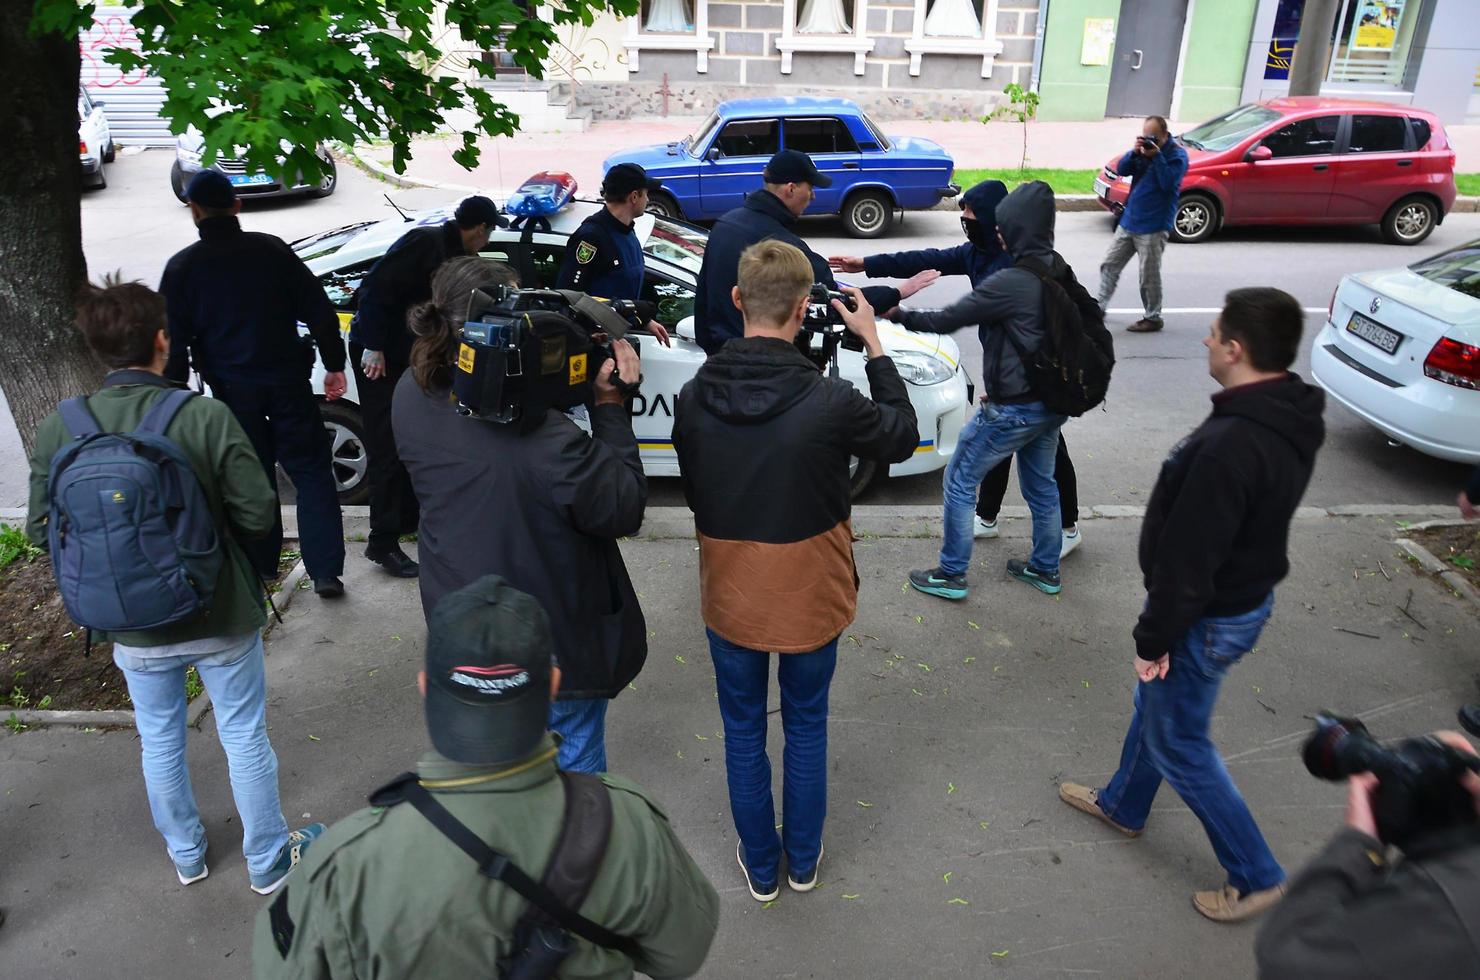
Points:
(1156, 164)
(1351, 914)
(540, 503)
(764, 441)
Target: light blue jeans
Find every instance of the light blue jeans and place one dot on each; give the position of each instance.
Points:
(581, 726)
(993, 434)
(237, 684)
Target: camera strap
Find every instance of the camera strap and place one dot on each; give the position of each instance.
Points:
(584, 835)
(608, 319)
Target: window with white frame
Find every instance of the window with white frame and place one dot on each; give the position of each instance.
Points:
(954, 27)
(670, 25)
(835, 26)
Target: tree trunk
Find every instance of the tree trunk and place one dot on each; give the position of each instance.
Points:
(41, 265)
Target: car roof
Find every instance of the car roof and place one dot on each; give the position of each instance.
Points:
(794, 106)
(1301, 103)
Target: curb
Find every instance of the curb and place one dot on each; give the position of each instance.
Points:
(125, 719)
(1430, 563)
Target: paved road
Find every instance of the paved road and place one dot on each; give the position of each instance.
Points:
(1161, 385)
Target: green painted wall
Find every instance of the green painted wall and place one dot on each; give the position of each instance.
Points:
(1217, 53)
(1068, 89)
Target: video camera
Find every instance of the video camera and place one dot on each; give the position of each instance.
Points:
(524, 351)
(1418, 780)
(823, 330)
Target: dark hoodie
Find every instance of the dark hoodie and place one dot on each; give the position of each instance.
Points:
(977, 258)
(1009, 300)
(1217, 527)
(763, 443)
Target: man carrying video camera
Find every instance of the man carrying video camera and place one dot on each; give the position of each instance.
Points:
(1351, 914)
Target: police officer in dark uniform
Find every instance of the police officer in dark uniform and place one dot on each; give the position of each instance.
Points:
(234, 300)
(603, 257)
(380, 351)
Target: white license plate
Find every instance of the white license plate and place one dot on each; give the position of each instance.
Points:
(1374, 333)
(1101, 188)
(239, 180)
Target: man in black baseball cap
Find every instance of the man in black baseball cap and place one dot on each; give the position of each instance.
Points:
(795, 167)
(603, 257)
(211, 189)
(487, 682)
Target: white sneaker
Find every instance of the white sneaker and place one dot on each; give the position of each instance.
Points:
(1069, 542)
(984, 529)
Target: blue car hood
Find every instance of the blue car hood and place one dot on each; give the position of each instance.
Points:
(914, 144)
(656, 159)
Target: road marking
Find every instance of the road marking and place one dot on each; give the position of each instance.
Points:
(1122, 310)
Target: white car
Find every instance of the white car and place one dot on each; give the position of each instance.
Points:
(674, 251)
(1401, 349)
(94, 141)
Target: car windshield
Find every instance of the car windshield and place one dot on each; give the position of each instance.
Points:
(877, 130)
(701, 135)
(1228, 129)
(679, 244)
(1459, 269)
(327, 242)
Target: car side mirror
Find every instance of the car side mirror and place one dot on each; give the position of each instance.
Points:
(713, 154)
(1258, 153)
(685, 329)
(98, 103)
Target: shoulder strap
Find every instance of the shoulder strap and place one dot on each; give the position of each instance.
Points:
(1037, 268)
(78, 418)
(497, 866)
(163, 412)
(583, 839)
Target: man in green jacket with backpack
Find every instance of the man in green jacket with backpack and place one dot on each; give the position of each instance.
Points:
(163, 482)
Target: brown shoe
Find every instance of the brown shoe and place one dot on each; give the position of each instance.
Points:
(1226, 905)
(1144, 325)
(1086, 800)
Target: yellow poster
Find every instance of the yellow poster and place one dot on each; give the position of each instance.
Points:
(1099, 38)
(1376, 27)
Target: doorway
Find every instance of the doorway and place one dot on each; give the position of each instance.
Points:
(1148, 42)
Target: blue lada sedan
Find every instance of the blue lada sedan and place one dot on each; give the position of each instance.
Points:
(873, 175)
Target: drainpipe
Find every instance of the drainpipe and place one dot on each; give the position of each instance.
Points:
(1038, 45)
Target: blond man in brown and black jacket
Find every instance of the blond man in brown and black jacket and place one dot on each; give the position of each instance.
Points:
(764, 442)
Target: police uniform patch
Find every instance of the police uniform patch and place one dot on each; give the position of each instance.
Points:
(585, 252)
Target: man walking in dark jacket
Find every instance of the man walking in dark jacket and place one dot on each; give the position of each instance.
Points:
(379, 351)
(763, 443)
(979, 258)
(1008, 308)
(234, 300)
(1213, 546)
(1156, 166)
(769, 213)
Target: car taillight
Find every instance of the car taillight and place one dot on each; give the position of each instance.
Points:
(82, 146)
(1454, 363)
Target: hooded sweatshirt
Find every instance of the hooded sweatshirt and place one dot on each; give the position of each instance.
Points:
(763, 443)
(1009, 301)
(977, 258)
(1217, 528)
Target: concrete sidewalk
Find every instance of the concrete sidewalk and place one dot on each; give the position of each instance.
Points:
(951, 725)
(508, 160)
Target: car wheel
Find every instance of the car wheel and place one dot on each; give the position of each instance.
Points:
(177, 181)
(348, 452)
(1196, 220)
(1409, 221)
(99, 179)
(111, 154)
(664, 206)
(329, 181)
(868, 214)
(861, 473)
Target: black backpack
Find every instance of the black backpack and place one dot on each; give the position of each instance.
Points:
(1070, 370)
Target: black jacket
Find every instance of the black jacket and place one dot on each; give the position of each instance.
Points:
(1217, 528)
(234, 300)
(763, 442)
(1349, 916)
(398, 281)
(762, 216)
(1011, 300)
(543, 510)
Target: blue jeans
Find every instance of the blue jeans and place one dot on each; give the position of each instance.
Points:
(1168, 739)
(581, 726)
(742, 677)
(236, 681)
(993, 434)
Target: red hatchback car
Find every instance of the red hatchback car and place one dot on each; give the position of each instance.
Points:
(1310, 161)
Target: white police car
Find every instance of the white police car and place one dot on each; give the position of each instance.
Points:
(674, 252)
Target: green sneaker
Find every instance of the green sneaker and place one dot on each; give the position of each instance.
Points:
(933, 581)
(1042, 581)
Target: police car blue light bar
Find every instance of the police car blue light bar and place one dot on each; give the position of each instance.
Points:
(543, 194)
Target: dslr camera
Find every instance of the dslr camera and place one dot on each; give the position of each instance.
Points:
(1418, 780)
(524, 351)
(823, 330)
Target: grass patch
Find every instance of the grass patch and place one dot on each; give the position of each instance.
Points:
(14, 546)
(1062, 181)
(1468, 184)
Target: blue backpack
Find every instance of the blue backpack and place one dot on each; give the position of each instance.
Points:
(133, 543)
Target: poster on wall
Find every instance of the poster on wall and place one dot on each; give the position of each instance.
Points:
(1376, 28)
(1099, 38)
